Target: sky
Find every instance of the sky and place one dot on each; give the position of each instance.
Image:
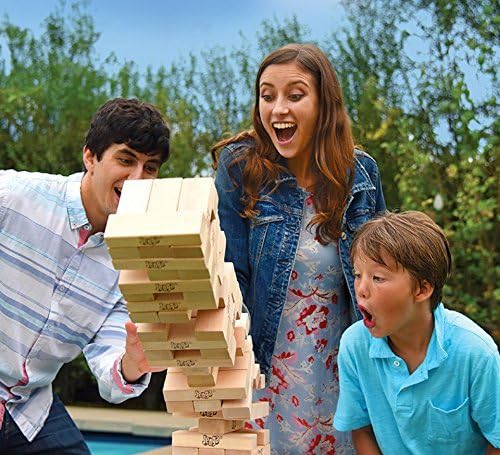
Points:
(158, 32)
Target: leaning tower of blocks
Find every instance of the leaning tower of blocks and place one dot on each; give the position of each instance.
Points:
(167, 243)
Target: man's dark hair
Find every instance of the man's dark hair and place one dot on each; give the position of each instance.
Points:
(138, 125)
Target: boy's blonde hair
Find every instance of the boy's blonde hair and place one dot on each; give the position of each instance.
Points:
(414, 241)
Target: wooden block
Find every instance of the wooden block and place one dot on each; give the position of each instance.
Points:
(151, 332)
(185, 450)
(256, 376)
(231, 384)
(242, 362)
(181, 337)
(263, 435)
(158, 355)
(160, 275)
(260, 450)
(186, 251)
(157, 228)
(241, 441)
(157, 263)
(202, 371)
(241, 409)
(135, 196)
(208, 405)
(262, 382)
(124, 253)
(172, 317)
(183, 407)
(203, 380)
(197, 415)
(138, 282)
(215, 324)
(146, 316)
(175, 301)
(164, 197)
(243, 323)
(211, 452)
(192, 359)
(219, 426)
(198, 194)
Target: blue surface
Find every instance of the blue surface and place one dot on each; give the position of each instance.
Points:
(121, 444)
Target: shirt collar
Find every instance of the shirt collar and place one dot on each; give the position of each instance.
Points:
(436, 353)
(76, 212)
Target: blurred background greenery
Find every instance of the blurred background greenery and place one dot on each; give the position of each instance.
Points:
(410, 72)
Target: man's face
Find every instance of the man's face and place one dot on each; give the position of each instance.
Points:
(103, 182)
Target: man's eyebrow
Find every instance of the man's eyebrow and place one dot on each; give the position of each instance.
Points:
(133, 154)
(127, 151)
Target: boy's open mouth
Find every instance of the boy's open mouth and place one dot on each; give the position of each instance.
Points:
(284, 131)
(367, 317)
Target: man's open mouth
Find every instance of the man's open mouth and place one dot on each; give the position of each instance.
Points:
(367, 317)
(284, 131)
(118, 192)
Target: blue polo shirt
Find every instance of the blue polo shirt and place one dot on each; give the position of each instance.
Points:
(449, 404)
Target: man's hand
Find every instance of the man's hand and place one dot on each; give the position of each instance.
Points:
(134, 361)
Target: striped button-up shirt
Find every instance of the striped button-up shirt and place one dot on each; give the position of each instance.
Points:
(59, 296)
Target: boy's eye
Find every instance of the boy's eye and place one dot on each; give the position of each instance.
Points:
(124, 160)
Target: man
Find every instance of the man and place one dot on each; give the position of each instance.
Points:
(59, 292)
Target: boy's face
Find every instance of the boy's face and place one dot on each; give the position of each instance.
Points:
(103, 182)
(387, 296)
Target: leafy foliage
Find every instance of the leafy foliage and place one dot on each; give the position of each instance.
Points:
(419, 79)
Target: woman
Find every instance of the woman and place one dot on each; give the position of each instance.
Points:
(292, 192)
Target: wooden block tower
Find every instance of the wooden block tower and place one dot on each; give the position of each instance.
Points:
(167, 243)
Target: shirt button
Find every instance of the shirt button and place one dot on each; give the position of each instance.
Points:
(343, 236)
(87, 227)
(396, 363)
(62, 288)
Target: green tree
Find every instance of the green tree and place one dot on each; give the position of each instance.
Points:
(409, 69)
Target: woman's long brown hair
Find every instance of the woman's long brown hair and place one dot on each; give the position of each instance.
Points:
(332, 160)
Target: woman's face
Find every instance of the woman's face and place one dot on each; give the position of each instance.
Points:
(289, 108)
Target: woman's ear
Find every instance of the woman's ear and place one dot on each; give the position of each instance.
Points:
(424, 291)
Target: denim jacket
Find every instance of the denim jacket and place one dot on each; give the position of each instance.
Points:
(263, 249)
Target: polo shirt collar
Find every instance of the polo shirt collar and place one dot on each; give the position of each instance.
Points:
(76, 212)
(436, 353)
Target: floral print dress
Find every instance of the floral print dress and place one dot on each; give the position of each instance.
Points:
(304, 387)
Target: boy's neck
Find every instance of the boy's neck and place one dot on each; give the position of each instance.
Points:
(411, 345)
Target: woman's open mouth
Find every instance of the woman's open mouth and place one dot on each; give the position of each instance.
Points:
(367, 317)
(284, 131)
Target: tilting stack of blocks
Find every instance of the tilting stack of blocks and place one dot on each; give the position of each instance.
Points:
(167, 243)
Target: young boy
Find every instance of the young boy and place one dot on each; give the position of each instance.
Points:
(414, 377)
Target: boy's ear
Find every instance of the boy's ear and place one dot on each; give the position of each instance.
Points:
(424, 291)
(88, 159)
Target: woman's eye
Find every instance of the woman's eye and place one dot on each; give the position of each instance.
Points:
(266, 97)
(296, 96)
(378, 279)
